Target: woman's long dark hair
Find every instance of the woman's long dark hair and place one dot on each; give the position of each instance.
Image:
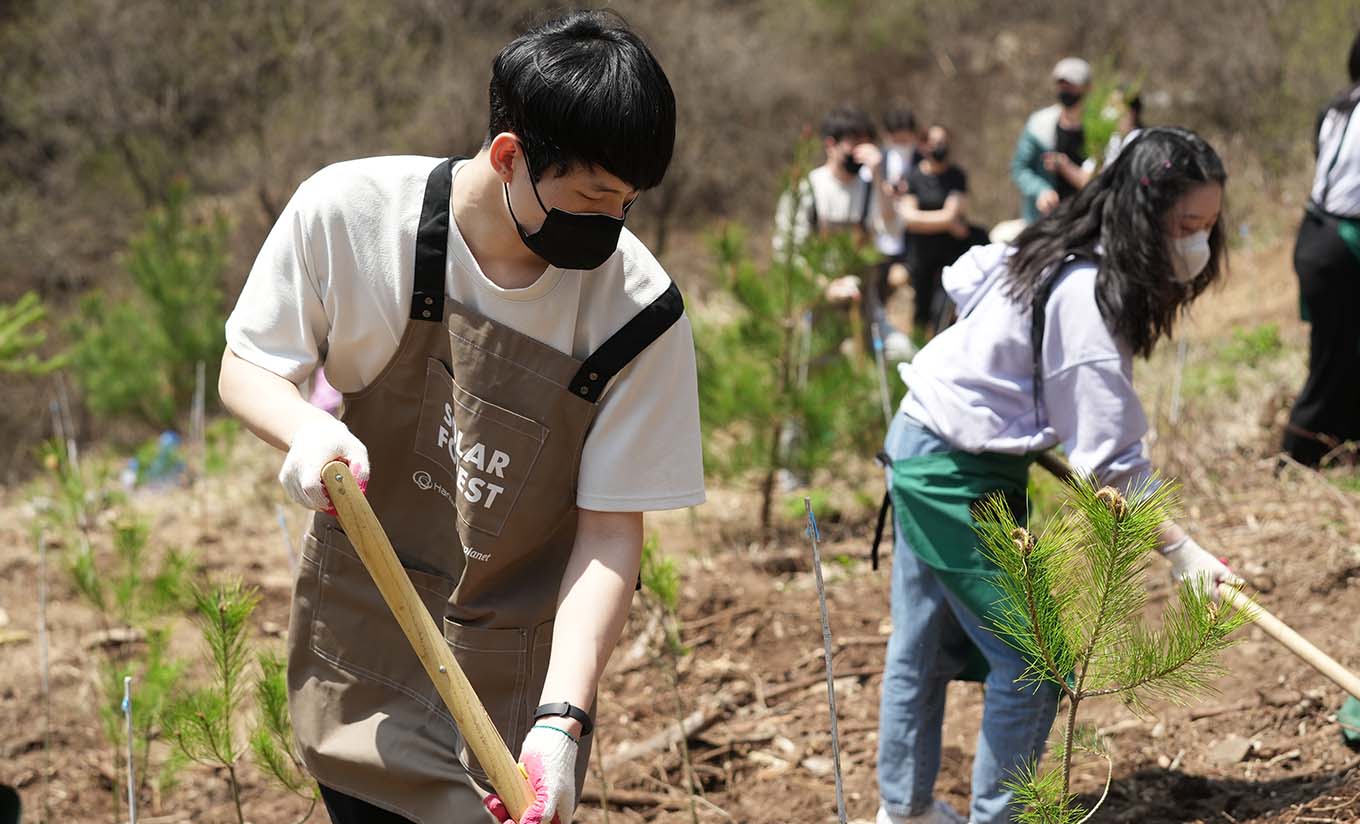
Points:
(1122, 211)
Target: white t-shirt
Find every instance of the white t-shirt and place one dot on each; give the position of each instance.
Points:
(897, 164)
(839, 205)
(333, 281)
(1337, 179)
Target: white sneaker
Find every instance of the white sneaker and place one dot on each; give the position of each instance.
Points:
(898, 347)
(939, 813)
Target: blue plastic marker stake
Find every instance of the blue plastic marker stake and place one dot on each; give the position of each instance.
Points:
(131, 767)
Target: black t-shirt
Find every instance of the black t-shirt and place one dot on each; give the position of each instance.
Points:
(931, 192)
(1071, 142)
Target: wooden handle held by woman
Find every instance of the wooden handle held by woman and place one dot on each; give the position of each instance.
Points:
(1295, 643)
(476, 727)
(1269, 624)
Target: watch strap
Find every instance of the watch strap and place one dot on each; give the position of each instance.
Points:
(563, 709)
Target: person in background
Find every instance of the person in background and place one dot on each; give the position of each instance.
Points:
(844, 194)
(1050, 163)
(1042, 354)
(934, 211)
(900, 156)
(1130, 124)
(1326, 414)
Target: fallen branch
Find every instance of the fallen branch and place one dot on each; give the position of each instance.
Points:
(1211, 712)
(696, 722)
(633, 798)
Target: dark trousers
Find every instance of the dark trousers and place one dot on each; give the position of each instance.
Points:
(1327, 411)
(344, 809)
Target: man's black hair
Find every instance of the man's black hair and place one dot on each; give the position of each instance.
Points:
(1353, 64)
(585, 89)
(899, 119)
(847, 121)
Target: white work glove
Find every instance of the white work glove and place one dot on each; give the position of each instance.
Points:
(314, 446)
(1191, 561)
(549, 759)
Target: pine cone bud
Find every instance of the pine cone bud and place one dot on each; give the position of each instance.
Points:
(1114, 502)
(1024, 542)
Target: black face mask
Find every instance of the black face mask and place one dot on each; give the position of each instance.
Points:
(571, 240)
(939, 153)
(1069, 99)
(850, 164)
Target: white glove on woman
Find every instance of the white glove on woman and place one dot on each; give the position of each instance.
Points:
(1189, 560)
(314, 446)
(549, 759)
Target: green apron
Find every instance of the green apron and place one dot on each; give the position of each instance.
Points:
(933, 499)
(1349, 718)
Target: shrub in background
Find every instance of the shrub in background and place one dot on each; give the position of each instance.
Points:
(137, 357)
(783, 383)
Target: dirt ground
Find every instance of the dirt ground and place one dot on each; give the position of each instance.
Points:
(754, 677)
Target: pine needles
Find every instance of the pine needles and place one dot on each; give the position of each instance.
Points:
(1072, 604)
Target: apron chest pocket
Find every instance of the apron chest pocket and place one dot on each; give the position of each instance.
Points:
(485, 453)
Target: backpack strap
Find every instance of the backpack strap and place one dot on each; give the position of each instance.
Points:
(626, 344)
(864, 208)
(1037, 322)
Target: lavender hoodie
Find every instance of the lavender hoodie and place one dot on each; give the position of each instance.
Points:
(973, 385)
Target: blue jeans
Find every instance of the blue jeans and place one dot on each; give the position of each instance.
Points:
(932, 630)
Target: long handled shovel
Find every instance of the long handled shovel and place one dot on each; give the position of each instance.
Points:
(369, 540)
(1269, 624)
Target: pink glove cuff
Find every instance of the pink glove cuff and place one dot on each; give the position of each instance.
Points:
(360, 473)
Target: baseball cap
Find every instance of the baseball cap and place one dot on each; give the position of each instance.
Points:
(1074, 70)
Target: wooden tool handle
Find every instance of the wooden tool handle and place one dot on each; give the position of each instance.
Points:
(1295, 643)
(369, 540)
(1269, 624)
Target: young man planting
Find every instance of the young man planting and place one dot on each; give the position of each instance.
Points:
(519, 386)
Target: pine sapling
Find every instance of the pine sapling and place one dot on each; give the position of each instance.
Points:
(1073, 602)
(271, 741)
(661, 578)
(22, 334)
(777, 389)
(201, 722)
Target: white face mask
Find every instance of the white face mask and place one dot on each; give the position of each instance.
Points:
(1189, 255)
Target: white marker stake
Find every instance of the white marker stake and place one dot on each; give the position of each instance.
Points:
(287, 538)
(44, 664)
(882, 370)
(813, 535)
(131, 768)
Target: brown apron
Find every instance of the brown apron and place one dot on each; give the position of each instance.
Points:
(475, 433)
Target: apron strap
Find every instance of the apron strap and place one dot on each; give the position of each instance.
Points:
(883, 510)
(627, 343)
(432, 245)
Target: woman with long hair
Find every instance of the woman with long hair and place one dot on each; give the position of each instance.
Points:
(1042, 354)
(1325, 422)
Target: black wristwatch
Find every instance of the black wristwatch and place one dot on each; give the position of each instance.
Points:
(568, 711)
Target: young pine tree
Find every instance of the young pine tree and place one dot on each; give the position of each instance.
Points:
(138, 356)
(661, 579)
(783, 384)
(271, 741)
(1073, 605)
(201, 721)
(21, 335)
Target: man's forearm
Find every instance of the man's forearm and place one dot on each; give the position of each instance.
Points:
(269, 406)
(593, 604)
